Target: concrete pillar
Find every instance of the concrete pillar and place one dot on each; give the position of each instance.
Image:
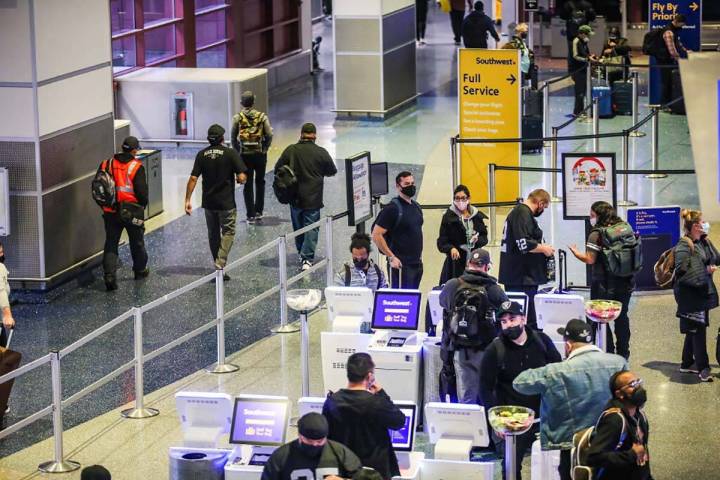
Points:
(56, 126)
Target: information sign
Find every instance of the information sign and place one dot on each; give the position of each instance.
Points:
(489, 83)
(659, 230)
(587, 178)
(531, 5)
(359, 192)
(396, 310)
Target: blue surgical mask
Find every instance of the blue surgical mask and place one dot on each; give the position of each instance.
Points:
(706, 228)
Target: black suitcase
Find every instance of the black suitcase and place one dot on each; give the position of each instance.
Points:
(622, 100)
(532, 128)
(677, 108)
(533, 100)
(9, 361)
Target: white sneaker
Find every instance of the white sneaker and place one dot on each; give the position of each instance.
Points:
(306, 265)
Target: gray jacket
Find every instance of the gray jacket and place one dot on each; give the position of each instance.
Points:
(573, 393)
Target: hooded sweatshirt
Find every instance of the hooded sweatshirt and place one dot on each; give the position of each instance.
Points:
(360, 420)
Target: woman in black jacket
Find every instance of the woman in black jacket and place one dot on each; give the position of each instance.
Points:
(696, 258)
(461, 230)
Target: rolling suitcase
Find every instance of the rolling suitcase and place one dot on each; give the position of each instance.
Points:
(532, 128)
(677, 108)
(622, 98)
(9, 361)
(533, 103)
(605, 103)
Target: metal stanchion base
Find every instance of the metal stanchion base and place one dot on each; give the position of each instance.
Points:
(289, 328)
(655, 176)
(547, 144)
(223, 368)
(58, 467)
(637, 133)
(138, 413)
(556, 199)
(627, 203)
(586, 120)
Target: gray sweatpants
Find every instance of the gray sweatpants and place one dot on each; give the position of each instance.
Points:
(467, 372)
(221, 233)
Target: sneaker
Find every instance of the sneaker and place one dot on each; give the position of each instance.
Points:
(110, 284)
(306, 265)
(7, 410)
(689, 369)
(423, 42)
(259, 217)
(251, 220)
(142, 273)
(705, 375)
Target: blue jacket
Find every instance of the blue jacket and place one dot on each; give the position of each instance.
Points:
(573, 393)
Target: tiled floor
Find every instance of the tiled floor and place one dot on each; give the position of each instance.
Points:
(681, 411)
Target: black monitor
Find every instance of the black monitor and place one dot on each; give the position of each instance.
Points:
(379, 179)
(396, 309)
(259, 420)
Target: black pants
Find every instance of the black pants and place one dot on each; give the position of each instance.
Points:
(456, 20)
(136, 235)
(530, 291)
(254, 190)
(565, 465)
(666, 80)
(421, 12)
(695, 346)
(523, 444)
(580, 79)
(411, 276)
(618, 289)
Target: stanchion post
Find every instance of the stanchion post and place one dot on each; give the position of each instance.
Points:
(635, 104)
(601, 336)
(58, 464)
(139, 411)
(625, 165)
(655, 145)
(554, 164)
(329, 250)
(510, 460)
(546, 112)
(596, 123)
(305, 353)
(454, 162)
(493, 210)
(221, 366)
(282, 273)
(588, 92)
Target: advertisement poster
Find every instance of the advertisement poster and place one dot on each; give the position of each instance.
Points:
(182, 115)
(489, 83)
(359, 191)
(659, 230)
(259, 422)
(587, 178)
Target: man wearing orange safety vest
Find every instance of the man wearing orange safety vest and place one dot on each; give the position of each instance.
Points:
(131, 195)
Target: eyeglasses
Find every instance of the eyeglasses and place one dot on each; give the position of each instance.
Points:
(461, 198)
(633, 384)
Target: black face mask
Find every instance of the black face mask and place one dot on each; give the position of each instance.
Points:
(360, 263)
(538, 213)
(513, 333)
(409, 191)
(2, 258)
(638, 397)
(523, 36)
(311, 451)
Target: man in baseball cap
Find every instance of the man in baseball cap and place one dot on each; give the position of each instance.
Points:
(574, 392)
(313, 452)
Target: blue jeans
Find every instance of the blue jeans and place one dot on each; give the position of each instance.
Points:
(306, 242)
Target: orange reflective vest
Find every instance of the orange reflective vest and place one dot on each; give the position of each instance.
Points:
(123, 174)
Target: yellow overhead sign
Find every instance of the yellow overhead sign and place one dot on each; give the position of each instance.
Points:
(489, 83)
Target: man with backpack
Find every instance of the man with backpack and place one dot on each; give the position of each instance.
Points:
(120, 189)
(363, 272)
(573, 393)
(251, 138)
(476, 28)
(517, 349)
(617, 448)
(397, 232)
(469, 302)
(308, 164)
(577, 13)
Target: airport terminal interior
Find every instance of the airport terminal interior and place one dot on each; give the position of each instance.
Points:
(137, 378)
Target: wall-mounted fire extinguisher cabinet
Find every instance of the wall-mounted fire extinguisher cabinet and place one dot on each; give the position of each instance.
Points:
(182, 115)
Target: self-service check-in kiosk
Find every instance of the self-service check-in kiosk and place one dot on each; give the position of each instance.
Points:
(455, 428)
(556, 310)
(436, 311)
(396, 346)
(259, 426)
(348, 309)
(204, 418)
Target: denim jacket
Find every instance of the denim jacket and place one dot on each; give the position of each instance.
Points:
(573, 393)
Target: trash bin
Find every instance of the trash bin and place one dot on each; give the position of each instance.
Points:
(198, 465)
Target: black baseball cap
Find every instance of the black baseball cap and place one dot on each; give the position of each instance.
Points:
(509, 307)
(95, 472)
(308, 128)
(313, 426)
(247, 99)
(215, 131)
(576, 330)
(479, 257)
(130, 143)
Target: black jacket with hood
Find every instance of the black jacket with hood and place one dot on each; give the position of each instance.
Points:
(360, 420)
(453, 228)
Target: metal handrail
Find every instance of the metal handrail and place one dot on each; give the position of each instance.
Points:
(176, 293)
(98, 383)
(304, 230)
(180, 340)
(95, 333)
(243, 260)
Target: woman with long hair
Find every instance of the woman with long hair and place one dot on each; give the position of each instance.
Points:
(605, 285)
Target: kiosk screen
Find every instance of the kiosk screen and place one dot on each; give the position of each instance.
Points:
(259, 421)
(402, 440)
(396, 310)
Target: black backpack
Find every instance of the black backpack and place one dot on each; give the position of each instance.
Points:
(470, 325)
(285, 183)
(654, 44)
(622, 250)
(348, 274)
(103, 186)
(388, 235)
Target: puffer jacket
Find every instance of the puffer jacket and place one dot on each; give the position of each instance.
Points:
(573, 393)
(691, 298)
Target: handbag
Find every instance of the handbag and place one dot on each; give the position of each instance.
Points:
(132, 213)
(445, 6)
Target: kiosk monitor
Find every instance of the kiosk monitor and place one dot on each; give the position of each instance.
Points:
(403, 439)
(457, 420)
(396, 309)
(260, 420)
(349, 306)
(379, 179)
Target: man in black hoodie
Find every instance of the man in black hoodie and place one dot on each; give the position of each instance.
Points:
(619, 446)
(476, 27)
(517, 349)
(464, 357)
(360, 416)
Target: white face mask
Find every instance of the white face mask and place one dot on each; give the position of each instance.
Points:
(461, 205)
(706, 228)
(593, 221)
